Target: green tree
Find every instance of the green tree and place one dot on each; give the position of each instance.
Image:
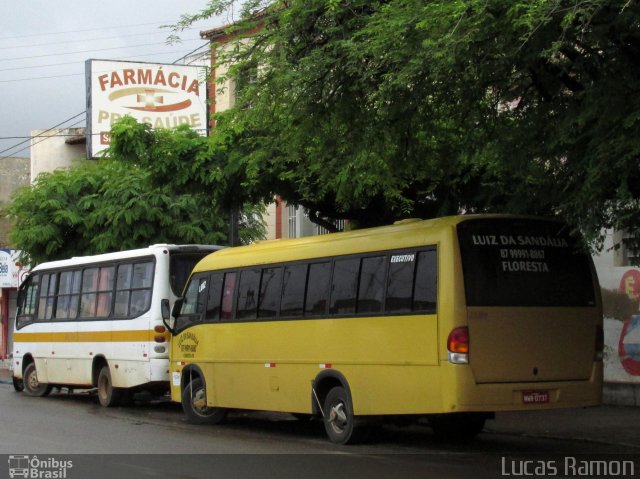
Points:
(112, 206)
(105, 206)
(377, 110)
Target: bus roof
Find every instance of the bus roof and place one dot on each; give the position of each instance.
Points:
(402, 234)
(133, 253)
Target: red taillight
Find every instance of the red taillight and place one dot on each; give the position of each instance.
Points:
(160, 329)
(458, 345)
(458, 341)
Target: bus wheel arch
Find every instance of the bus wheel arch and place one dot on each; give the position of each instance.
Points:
(194, 399)
(322, 384)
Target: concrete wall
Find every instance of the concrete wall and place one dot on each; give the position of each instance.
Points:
(50, 150)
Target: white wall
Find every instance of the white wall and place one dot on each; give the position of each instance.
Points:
(49, 150)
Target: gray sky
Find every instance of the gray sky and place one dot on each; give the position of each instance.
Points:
(44, 45)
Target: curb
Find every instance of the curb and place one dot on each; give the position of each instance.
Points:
(561, 437)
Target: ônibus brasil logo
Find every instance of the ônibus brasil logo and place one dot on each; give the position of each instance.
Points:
(32, 467)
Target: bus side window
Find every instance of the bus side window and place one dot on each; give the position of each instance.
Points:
(193, 306)
(123, 290)
(47, 296)
(194, 299)
(142, 286)
(270, 287)
(89, 295)
(371, 287)
(105, 291)
(344, 287)
(426, 285)
(248, 289)
(228, 292)
(318, 283)
(64, 294)
(293, 288)
(28, 301)
(400, 282)
(214, 297)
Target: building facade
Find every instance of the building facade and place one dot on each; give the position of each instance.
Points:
(282, 220)
(14, 174)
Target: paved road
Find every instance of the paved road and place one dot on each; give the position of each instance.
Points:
(75, 426)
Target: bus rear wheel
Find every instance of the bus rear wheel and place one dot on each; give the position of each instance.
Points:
(32, 386)
(339, 422)
(107, 394)
(194, 405)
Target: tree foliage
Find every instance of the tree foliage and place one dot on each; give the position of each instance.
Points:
(118, 204)
(378, 110)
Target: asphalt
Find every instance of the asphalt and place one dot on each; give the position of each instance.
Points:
(617, 425)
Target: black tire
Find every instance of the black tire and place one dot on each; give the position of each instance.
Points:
(457, 426)
(194, 405)
(107, 394)
(18, 384)
(339, 422)
(33, 387)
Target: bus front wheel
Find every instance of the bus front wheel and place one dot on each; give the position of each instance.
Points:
(194, 405)
(107, 394)
(32, 386)
(338, 419)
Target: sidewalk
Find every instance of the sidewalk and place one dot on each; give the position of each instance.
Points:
(619, 425)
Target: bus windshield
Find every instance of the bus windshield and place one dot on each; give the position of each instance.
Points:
(523, 262)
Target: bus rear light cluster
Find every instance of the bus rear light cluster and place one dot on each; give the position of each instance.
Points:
(160, 336)
(458, 346)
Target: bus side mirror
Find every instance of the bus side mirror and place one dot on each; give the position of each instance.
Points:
(177, 306)
(165, 311)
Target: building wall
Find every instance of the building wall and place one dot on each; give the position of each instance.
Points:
(51, 149)
(620, 283)
(282, 221)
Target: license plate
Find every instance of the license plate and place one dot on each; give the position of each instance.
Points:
(535, 397)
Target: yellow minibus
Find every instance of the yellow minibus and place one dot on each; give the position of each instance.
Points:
(451, 319)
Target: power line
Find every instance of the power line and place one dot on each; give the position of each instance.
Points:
(93, 50)
(44, 138)
(25, 141)
(76, 40)
(82, 74)
(85, 30)
(75, 62)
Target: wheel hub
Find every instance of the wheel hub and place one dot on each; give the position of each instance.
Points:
(338, 417)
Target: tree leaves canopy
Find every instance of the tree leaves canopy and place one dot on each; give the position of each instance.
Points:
(125, 202)
(378, 110)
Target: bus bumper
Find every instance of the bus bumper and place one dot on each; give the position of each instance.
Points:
(463, 394)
